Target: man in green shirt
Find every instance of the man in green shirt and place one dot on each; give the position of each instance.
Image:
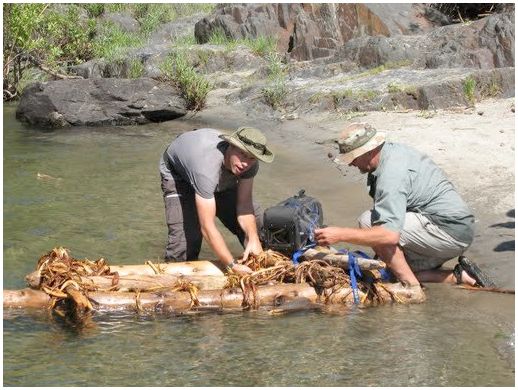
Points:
(418, 220)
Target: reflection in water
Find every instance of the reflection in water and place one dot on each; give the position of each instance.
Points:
(108, 203)
(386, 346)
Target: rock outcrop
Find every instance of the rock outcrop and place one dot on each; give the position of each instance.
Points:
(309, 31)
(99, 102)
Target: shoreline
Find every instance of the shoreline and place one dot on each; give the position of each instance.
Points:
(474, 146)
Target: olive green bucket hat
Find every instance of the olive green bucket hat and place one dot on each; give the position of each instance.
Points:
(356, 140)
(251, 140)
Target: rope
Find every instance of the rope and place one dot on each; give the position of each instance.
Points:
(62, 277)
(354, 271)
(157, 269)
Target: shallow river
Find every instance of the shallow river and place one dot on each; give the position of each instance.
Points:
(103, 199)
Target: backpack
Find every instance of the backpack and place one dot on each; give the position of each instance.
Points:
(289, 226)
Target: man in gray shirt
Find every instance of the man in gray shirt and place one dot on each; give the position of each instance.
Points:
(418, 220)
(207, 174)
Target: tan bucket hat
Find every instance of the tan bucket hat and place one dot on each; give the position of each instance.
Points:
(357, 139)
(251, 140)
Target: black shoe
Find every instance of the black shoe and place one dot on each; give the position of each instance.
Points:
(481, 279)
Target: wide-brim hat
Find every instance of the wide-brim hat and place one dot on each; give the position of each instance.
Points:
(356, 140)
(251, 140)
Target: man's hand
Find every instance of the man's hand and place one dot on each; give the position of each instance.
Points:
(328, 235)
(253, 246)
(241, 269)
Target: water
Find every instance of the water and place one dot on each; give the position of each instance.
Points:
(105, 201)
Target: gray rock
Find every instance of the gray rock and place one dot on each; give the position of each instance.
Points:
(99, 102)
(309, 31)
(124, 21)
(486, 43)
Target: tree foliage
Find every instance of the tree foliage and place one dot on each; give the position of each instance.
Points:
(36, 33)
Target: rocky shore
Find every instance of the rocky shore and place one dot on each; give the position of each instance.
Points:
(345, 58)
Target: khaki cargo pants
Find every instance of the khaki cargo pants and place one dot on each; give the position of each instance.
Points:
(425, 245)
(184, 233)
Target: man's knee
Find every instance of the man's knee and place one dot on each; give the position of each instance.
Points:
(364, 220)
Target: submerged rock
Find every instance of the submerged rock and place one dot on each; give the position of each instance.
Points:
(99, 102)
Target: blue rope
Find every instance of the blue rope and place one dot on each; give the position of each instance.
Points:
(354, 271)
(296, 256)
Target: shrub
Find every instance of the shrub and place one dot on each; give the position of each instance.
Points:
(275, 91)
(193, 86)
(94, 9)
(39, 33)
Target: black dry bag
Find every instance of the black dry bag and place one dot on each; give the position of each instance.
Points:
(289, 226)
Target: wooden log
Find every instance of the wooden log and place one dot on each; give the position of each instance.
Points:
(26, 298)
(145, 282)
(199, 267)
(341, 260)
(269, 296)
(191, 268)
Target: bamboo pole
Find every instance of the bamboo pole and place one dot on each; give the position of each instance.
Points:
(341, 260)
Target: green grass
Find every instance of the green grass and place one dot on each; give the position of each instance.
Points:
(113, 43)
(377, 70)
(493, 88)
(469, 87)
(193, 86)
(426, 114)
(135, 69)
(184, 40)
(350, 94)
(396, 88)
(218, 37)
(276, 90)
(262, 46)
(275, 93)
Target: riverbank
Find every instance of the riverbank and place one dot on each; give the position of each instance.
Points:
(475, 147)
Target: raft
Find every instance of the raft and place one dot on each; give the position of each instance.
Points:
(67, 285)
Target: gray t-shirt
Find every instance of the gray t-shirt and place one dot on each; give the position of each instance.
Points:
(197, 157)
(407, 180)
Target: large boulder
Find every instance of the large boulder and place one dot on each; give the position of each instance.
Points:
(99, 102)
(309, 31)
(485, 44)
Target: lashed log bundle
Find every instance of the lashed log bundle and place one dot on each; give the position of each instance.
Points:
(276, 283)
(273, 296)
